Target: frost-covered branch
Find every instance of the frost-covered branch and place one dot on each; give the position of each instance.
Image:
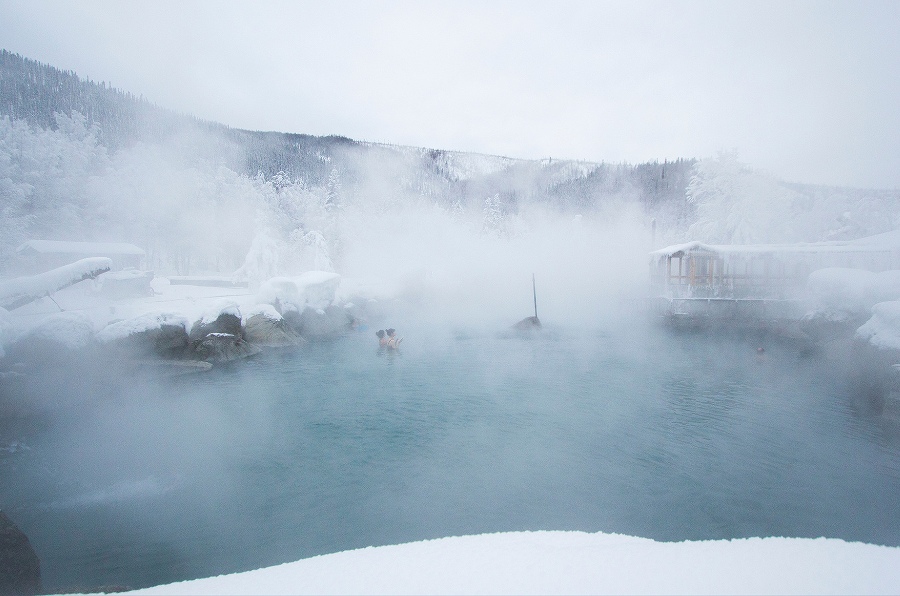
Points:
(20, 291)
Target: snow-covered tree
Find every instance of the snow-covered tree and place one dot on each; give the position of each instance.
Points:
(493, 217)
(280, 181)
(735, 204)
(262, 261)
(331, 197)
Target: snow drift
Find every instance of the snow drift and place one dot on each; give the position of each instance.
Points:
(575, 563)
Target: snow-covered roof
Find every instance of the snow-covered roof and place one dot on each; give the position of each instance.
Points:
(877, 243)
(80, 248)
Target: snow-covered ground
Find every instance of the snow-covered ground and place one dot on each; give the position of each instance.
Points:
(575, 563)
(86, 301)
(87, 297)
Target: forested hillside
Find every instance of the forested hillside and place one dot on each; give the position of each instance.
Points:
(82, 160)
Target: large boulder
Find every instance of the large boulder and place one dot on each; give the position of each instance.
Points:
(264, 326)
(161, 334)
(20, 568)
(882, 330)
(223, 317)
(223, 347)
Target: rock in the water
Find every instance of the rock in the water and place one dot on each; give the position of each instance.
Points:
(262, 330)
(226, 322)
(223, 347)
(151, 334)
(20, 568)
(528, 324)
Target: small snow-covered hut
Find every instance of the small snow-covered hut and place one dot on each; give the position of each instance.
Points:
(43, 255)
(698, 278)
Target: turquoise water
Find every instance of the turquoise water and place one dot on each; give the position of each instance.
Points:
(335, 445)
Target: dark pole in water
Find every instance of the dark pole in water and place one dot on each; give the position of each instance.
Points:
(534, 291)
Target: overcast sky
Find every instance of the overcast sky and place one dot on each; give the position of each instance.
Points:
(808, 91)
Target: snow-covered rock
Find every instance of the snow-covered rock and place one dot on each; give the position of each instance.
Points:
(313, 289)
(218, 308)
(223, 347)
(882, 330)
(58, 336)
(71, 330)
(264, 326)
(146, 322)
(223, 316)
(160, 333)
(264, 310)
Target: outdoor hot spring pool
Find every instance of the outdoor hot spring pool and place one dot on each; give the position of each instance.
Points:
(335, 445)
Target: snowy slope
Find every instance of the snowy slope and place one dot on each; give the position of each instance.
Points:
(575, 563)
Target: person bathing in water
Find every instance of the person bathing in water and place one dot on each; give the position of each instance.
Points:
(388, 339)
(393, 341)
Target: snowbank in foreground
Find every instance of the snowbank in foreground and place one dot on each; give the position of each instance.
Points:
(574, 563)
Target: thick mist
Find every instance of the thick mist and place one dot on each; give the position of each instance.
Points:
(206, 200)
(593, 425)
(456, 272)
(600, 422)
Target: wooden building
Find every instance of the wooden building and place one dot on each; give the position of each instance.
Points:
(757, 280)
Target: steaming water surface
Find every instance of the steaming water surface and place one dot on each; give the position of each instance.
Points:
(336, 445)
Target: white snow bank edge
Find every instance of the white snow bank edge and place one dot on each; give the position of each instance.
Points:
(551, 562)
